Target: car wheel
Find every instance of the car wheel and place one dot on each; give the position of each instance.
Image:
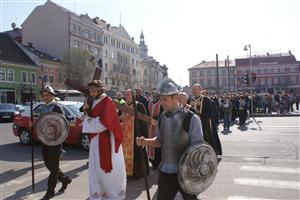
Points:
(25, 136)
(85, 141)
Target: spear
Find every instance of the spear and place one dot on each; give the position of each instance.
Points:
(141, 150)
(31, 138)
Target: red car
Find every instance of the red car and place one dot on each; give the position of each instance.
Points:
(71, 108)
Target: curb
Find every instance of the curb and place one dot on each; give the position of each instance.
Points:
(276, 115)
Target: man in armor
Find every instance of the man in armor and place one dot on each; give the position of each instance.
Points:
(173, 139)
(51, 154)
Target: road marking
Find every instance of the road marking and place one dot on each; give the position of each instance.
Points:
(280, 126)
(246, 198)
(270, 169)
(268, 183)
(28, 178)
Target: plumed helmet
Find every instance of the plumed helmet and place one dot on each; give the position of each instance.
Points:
(48, 89)
(167, 87)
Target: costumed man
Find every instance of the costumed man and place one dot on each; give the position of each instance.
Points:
(155, 109)
(173, 140)
(51, 154)
(140, 98)
(131, 151)
(205, 110)
(107, 174)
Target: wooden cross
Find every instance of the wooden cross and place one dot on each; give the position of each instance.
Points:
(84, 89)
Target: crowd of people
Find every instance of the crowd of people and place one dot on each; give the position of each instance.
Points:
(116, 135)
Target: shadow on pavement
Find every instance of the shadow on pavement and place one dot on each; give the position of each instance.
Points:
(17, 152)
(41, 186)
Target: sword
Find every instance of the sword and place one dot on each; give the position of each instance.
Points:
(143, 159)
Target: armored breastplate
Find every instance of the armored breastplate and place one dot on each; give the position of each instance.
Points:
(47, 109)
(174, 140)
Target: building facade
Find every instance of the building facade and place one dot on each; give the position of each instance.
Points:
(17, 73)
(205, 74)
(151, 71)
(274, 73)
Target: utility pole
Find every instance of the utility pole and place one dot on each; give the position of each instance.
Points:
(217, 68)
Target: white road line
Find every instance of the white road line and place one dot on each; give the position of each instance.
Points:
(28, 178)
(270, 169)
(246, 198)
(279, 126)
(268, 183)
(259, 159)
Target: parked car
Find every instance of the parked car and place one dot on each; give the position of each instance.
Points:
(7, 112)
(71, 108)
(21, 108)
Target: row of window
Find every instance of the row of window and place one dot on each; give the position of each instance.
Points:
(93, 50)
(84, 32)
(8, 75)
(269, 70)
(121, 58)
(120, 45)
(211, 72)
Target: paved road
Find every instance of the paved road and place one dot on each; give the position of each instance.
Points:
(259, 163)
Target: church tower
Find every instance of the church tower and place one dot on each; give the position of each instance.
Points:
(143, 46)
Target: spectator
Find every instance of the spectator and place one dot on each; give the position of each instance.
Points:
(227, 108)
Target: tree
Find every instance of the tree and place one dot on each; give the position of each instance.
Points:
(79, 65)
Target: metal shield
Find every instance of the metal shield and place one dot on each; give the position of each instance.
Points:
(52, 129)
(197, 168)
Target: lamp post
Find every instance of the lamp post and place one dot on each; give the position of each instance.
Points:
(246, 48)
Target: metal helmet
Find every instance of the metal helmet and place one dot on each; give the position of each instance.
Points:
(48, 89)
(167, 87)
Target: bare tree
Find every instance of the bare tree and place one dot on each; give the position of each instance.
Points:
(79, 65)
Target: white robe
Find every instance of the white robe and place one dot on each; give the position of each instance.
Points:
(105, 186)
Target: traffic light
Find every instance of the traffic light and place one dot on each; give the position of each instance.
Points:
(246, 79)
(253, 77)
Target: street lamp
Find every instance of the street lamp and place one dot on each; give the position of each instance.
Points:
(246, 48)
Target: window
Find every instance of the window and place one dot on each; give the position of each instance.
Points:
(145, 72)
(73, 28)
(106, 53)
(2, 74)
(24, 77)
(99, 38)
(224, 81)
(127, 49)
(202, 73)
(194, 73)
(224, 72)
(275, 80)
(137, 63)
(79, 30)
(293, 79)
(106, 81)
(96, 51)
(208, 82)
(132, 50)
(113, 42)
(269, 81)
(33, 79)
(208, 73)
(51, 77)
(76, 44)
(134, 72)
(59, 77)
(86, 33)
(105, 67)
(112, 55)
(87, 47)
(118, 44)
(132, 61)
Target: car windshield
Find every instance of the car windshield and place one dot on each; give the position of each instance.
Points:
(7, 107)
(75, 108)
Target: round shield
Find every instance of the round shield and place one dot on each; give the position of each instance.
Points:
(52, 129)
(197, 168)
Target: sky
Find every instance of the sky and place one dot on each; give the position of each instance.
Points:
(182, 33)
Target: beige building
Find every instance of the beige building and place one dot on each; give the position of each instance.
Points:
(54, 30)
(205, 74)
(121, 60)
